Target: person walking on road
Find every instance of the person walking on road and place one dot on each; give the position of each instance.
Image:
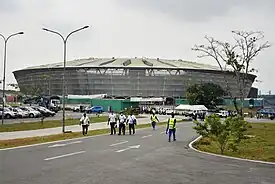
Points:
(132, 122)
(84, 121)
(112, 121)
(122, 121)
(154, 120)
(171, 127)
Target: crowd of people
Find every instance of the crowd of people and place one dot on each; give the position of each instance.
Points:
(131, 121)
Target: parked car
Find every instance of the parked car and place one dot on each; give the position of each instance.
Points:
(95, 109)
(80, 108)
(223, 114)
(8, 114)
(44, 111)
(20, 113)
(32, 113)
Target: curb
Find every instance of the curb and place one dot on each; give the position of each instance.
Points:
(224, 156)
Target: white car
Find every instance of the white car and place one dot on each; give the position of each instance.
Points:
(223, 114)
(21, 113)
(8, 113)
(32, 113)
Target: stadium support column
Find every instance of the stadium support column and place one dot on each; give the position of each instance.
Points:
(4, 69)
(64, 68)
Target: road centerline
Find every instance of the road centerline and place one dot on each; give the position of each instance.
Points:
(65, 155)
(146, 136)
(64, 144)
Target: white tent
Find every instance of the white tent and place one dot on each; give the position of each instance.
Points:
(182, 107)
(199, 108)
(191, 108)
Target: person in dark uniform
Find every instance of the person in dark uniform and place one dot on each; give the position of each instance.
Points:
(84, 121)
(122, 121)
(112, 121)
(132, 122)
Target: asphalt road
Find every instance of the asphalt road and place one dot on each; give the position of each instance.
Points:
(109, 159)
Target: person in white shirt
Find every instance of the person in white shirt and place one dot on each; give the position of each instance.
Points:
(84, 121)
(132, 122)
(122, 121)
(112, 121)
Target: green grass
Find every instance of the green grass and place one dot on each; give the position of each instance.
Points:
(42, 139)
(259, 145)
(48, 124)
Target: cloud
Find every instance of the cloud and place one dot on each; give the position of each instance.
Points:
(129, 28)
(195, 10)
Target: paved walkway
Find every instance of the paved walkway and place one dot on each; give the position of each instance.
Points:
(58, 130)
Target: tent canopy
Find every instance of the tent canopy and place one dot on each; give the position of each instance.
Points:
(191, 107)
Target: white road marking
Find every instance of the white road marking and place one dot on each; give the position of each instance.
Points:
(162, 132)
(65, 144)
(118, 151)
(119, 143)
(56, 145)
(146, 136)
(130, 147)
(59, 141)
(66, 155)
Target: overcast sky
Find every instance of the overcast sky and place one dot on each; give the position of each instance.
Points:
(132, 28)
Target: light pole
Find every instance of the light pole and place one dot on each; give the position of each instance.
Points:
(64, 67)
(4, 68)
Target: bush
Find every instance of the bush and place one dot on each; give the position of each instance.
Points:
(129, 110)
(227, 134)
(205, 141)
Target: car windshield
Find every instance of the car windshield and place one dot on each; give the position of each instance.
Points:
(18, 110)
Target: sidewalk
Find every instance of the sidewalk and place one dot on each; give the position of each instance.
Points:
(58, 130)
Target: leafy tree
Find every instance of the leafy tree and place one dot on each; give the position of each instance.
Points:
(33, 89)
(237, 56)
(227, 134)
(208, 94)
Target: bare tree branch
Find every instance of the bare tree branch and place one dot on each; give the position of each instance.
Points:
(238, 55)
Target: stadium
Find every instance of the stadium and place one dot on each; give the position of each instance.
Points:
(125, 77)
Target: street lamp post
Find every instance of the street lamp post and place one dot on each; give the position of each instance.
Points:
(4, 68)
(64, 67)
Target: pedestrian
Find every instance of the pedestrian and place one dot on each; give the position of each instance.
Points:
(154, 120)
(171, 127)
(132, 122)
(122, 121)
(112, 121)
(84, 121)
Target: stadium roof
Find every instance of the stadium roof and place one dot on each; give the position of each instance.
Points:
(129, 62)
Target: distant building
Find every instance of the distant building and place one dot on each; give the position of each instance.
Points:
(126, 77)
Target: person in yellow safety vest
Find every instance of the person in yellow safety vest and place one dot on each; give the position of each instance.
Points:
(171, 127)
(154, 120)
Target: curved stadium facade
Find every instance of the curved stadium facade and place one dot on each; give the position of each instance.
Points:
(125, 77)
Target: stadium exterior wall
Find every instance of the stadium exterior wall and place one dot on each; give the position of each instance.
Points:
(123, 81)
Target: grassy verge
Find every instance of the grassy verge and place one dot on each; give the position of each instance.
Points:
(259, 144)
(35, 140)
(48, 124)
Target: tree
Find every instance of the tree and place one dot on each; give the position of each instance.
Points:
(207, 94)
(237, 56)
(226, 134)
(33, 89)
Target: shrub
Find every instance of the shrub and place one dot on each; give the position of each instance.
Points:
(227, 134)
